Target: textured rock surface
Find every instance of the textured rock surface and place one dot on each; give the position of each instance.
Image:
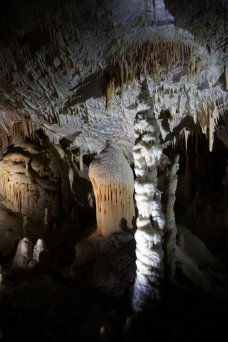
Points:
(150, 221)
(61, 60)
(30, 181)
(74, 72)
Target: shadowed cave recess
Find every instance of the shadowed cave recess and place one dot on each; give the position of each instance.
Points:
(113, 170)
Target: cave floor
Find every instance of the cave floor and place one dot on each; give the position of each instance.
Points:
(50, 307)
(54, 308)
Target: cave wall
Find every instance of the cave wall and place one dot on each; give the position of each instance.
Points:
(29, 183)
(202, 194)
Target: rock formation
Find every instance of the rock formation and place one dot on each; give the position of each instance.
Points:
(113, 185)
(151, 79)
(150, 220)
(23, 254)
(29, 183)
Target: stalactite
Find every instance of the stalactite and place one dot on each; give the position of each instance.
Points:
(211, 129)
(207, 118)
(172, 118)
(23, 195)
(150, 222)
(149, 59)
(113, 184)
(186, 135)
(24, 184)
(22, 129)
(110, 93)
(170, 225)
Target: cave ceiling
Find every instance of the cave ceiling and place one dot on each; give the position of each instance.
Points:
(74, 68)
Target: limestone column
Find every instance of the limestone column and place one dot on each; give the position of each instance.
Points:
(150, 221)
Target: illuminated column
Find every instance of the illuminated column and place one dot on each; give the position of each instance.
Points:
(113, 185)
(150, 222)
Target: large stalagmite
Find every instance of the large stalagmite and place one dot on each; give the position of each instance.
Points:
(113, 185)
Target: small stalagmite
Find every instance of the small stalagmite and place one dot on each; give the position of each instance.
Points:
(38, 250)
(22, 255)
(113, 184)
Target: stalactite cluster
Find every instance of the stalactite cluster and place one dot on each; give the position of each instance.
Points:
(113, 184)
(150, 221)
(149, 59)
(22, 127)
(208, 118)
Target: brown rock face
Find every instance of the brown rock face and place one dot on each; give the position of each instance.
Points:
(30, 183)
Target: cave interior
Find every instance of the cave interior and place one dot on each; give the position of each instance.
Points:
(113, 170)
